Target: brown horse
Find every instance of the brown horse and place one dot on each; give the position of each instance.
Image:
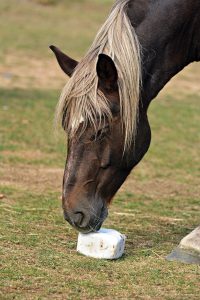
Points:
(103, 107)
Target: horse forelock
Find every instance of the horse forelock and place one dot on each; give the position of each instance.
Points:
(81, 100)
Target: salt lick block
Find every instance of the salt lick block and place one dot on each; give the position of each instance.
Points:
(104, 244)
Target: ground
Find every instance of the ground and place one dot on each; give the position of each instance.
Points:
(155, 208)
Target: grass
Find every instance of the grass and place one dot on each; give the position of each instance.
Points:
(23, 114)
(29, 28)
(156, 207)
(42, 261)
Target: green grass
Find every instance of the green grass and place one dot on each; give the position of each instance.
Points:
(23, 128)
(158, 205)
(30, 28)
(38, 249)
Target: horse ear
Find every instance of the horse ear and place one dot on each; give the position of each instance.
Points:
(107, 72)
(66, 63)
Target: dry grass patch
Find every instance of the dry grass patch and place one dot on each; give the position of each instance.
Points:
(39, 179)
(18, 71)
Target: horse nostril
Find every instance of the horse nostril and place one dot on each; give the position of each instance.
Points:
(78, 219)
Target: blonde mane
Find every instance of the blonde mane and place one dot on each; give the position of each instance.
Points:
(81, 100)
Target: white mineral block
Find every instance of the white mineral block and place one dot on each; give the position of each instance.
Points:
(104, 244)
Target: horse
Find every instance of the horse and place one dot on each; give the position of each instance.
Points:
(104, 105)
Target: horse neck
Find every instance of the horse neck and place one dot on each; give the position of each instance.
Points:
(169, 33)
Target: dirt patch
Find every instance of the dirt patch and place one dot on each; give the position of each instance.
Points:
(161, 188)
(38, 179)
(36, 154)
(29, 72)
(50, 179)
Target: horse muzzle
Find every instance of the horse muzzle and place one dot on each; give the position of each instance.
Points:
(85, 220)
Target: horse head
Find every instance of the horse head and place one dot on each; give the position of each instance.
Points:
(97, 163)
(107, 125)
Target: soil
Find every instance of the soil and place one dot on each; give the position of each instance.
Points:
(25, 72)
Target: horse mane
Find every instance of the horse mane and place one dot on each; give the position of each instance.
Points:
(81, 101)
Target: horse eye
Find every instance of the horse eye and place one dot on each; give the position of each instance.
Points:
(96, 136)
(100, 134)
(92, 137)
